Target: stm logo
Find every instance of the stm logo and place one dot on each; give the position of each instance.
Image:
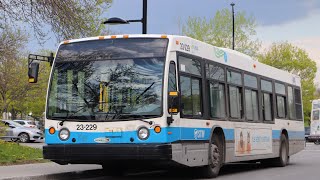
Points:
(199, 134)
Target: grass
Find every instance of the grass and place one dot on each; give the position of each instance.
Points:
(12, 153)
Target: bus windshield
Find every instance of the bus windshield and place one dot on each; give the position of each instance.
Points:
(107, 80)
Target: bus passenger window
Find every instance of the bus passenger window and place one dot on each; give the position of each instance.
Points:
(267, 106)
(266, 88)
(281, 107)
(251, 104)
(292, 114)
(235, 102)
(281, 100)
(217, 103)
(190, 96)
(297, 101)
(235, 94)
(251, 97)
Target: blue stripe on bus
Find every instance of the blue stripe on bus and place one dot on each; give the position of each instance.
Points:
(176, 133)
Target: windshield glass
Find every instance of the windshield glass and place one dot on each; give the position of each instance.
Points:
(107, 81)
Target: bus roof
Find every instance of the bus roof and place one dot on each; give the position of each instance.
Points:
(224, 56)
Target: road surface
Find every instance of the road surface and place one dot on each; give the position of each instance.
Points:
(304, 165)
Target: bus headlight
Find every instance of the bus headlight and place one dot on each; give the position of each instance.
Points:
(143, 133)
(64, 134)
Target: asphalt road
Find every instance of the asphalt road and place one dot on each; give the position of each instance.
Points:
(304, 165)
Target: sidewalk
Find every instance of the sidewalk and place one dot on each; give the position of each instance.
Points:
(29, 170)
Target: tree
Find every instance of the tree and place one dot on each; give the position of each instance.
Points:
(218, 31)
(290, 58)
(67, 19)
(11, 70)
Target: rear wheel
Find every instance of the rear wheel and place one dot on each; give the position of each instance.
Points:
(283, 158)
(215, 158)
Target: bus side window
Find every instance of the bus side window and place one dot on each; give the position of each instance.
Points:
(298, 106)
(234, 80)
(292, 114)
(216, 77)
(281, 100)
(172, 82)
(251, 97)
(190, 84)
(266, 99)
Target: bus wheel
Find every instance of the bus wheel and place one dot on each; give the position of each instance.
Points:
(283, 158)
(113, 170)
(215, 158)
(316, 142)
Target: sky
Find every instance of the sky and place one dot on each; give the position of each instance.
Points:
(295, 21)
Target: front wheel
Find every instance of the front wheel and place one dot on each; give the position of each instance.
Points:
(24, 137)
(215, 159)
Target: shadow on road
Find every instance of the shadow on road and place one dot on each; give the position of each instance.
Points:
(177, 173)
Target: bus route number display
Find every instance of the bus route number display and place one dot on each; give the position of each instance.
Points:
(88, 127)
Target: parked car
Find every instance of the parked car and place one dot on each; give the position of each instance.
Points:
(26, 123)
(25, 134)
(7, 134)
(307, 133)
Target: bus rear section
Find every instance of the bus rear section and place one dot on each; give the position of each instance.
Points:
(315, 122)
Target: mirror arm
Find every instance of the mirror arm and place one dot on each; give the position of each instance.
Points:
(34, 57)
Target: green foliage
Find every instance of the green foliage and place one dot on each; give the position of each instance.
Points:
(67, 19)
(13, 153)
(218, 31)
(16, 94)
(290, 58)
(2, 129)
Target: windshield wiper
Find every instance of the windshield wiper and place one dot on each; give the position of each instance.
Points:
(144, 91)
(70, 115)
(137, 117)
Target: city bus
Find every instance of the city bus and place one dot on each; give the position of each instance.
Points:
(124, 101)
(314, 122)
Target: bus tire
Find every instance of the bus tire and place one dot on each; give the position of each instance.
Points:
(283, 158)
(215, 158)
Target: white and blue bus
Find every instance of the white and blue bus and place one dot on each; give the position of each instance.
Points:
(315, 122)
(128, 100)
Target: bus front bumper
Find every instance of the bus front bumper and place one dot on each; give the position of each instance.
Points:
(99, 153)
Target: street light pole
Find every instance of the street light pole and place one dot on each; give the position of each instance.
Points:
(116, 20)
(232, 5)
(144, 17)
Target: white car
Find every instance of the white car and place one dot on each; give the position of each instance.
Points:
(24, 134)
(26, 123)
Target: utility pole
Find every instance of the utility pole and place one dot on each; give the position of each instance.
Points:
(232, 5)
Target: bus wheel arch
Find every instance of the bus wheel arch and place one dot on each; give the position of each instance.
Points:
(216, 153)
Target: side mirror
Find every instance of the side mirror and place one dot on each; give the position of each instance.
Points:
(173, 105)
(11, 126)
(33, 72)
